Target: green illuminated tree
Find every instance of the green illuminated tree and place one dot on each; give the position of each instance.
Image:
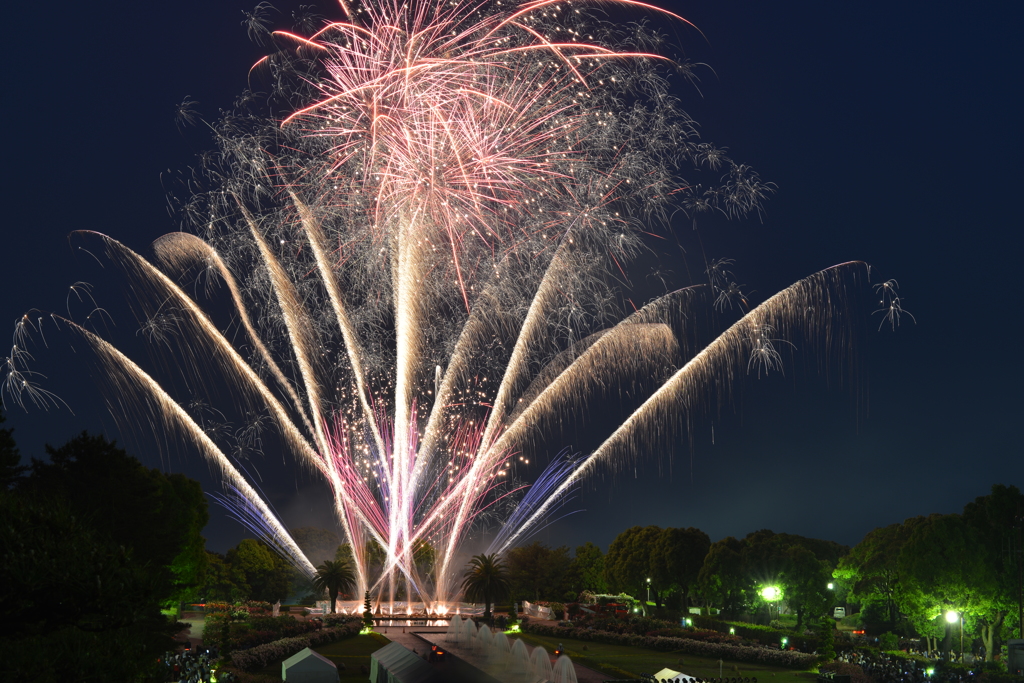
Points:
(588, 568)
(943, 567)
(991, 519)
(267, 575)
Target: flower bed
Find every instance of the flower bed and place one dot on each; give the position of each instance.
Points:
(262, 655)
(765, 634)
(787, 658)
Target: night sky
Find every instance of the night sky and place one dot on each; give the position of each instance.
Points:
(891, 129)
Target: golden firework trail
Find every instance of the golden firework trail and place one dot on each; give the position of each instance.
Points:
(410, 240)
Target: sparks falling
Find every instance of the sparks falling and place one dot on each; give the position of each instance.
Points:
(417, 225)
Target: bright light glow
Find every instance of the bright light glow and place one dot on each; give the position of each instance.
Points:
(831, 586)
(771, 593)
(952, 616)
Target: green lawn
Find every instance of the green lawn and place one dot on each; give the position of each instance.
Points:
(352, 652)
(618, 660)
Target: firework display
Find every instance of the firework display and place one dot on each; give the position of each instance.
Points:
(401, 262)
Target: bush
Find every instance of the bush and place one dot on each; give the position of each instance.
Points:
(888, 641)
(855, 673)
(558, 611)
(262, 655)
(760, 634)
(796, 660)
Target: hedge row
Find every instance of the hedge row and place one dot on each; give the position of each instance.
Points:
(787, 658)
(765, 634)
(262, 655)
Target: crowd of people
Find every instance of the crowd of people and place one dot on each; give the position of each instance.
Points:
(191, 665)
(883, 668)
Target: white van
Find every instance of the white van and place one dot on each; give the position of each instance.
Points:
(839, 613)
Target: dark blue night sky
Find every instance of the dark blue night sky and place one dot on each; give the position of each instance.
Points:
(892, 131)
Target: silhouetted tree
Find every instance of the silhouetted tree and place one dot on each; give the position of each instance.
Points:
(486, 579)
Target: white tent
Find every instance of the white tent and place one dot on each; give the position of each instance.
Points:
(307, 666)
(395, 663)
(674, 676)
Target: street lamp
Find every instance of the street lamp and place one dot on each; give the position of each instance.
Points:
(771, 594)
(648, 590)
(951, 618)
(831, 585)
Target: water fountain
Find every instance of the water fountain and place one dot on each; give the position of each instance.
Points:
(540, 664)
(455, 629)
(563, 671)
(519, 658)
(502, 648)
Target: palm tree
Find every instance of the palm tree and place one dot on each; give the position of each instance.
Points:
(333, 576)
(486, 579)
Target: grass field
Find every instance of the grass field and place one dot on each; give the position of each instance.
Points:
(352, 652)
(618, 659)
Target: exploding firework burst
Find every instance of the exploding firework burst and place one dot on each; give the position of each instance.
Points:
(417, 230)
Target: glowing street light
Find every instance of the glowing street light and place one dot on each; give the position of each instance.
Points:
(831, 586)
(771, 594)
(951, 618)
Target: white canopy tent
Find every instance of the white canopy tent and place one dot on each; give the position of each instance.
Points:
(307, 666)
(674, 676)
(395, 663)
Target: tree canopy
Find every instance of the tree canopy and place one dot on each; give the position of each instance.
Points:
(94, 543)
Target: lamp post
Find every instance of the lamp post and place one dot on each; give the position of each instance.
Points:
(648, 591)
(951, 618)
(771, 594)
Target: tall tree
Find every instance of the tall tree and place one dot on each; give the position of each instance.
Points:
(159, 517)
(994, 520)
(267, 576)
(723, 580)
(943, 568)
(805, 578)
(871, 570)
(94, 544)
(588, 567)
(629, 564)
(222, 581)
(677, 558)
(539, 571)
(333, 577)
(486, 579)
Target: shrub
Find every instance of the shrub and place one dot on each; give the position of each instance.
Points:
(828, 640)
(558, 611)
(797, 660)
(262, 655)
(855, 673)
(888, 641)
